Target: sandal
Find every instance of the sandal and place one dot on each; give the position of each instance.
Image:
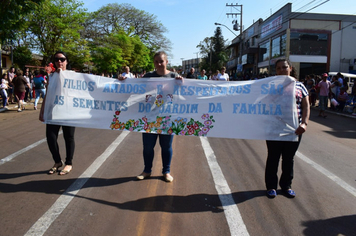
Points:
(54, 169)
(66, 171)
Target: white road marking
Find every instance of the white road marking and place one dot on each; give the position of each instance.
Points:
(12, 156)
(232, 213)
(328, 174)
(43, 223)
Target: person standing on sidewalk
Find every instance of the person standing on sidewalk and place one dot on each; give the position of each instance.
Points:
(286, 149)
(60, 64)
(324, 93)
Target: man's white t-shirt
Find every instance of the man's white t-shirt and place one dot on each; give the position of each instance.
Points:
(128, 75)
(224, 76)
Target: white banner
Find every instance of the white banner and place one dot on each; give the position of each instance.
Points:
(260, 109)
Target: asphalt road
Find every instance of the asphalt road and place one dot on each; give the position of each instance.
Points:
(218, 186)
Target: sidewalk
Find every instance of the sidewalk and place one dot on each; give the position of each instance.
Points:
(28, 105)
(328, 110)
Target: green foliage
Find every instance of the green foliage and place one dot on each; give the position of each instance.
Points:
(111, 53)
(11, 14)
(22, 56)
(55, 25)
(108, 39)
(213, 51)
(113, 18)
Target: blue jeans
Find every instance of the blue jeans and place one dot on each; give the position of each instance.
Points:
(3, 94)
(149, 142)
(323, 102)
(38, 93)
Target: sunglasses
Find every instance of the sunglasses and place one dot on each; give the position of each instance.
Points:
(62, 59)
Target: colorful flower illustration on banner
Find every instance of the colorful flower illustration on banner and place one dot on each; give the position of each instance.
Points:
(159, 100)
(164, 125)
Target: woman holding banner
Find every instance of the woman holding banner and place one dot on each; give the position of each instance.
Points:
(149, 139)
(60, 64)
(286, 148)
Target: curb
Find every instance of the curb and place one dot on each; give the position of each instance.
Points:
(335, 113)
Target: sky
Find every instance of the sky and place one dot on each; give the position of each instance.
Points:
(190, 21)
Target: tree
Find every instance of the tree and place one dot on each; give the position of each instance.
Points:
(219, 56)
(11, 14)
(206, 51)
(213, 51)
(55, 25)
(116, 50)
(115, 17)
(22, 56)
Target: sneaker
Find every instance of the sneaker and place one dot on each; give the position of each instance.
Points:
(271, 193)
(35, 107)
(168, 177)
(289, 193)
(143, 175)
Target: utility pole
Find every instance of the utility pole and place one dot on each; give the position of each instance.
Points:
(236, 25)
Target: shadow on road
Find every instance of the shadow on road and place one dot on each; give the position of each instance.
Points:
(343, 225)
(18, 175)
(337, 124)
(172, 203)
(54, 186)
(181, 204)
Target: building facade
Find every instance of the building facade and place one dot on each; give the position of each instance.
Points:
(188, 64)
(314, 43)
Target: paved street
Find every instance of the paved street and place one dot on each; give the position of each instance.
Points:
(218, 186)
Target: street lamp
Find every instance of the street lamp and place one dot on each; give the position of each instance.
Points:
(226, 28)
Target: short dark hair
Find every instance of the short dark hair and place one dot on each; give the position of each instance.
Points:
(54, 57)
(159, 53)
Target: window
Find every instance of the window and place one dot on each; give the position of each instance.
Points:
(264, 51)
(279, 46)
(302, 43)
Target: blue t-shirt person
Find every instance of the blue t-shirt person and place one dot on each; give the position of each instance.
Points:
(39, 82)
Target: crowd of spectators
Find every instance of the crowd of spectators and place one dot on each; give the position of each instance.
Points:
(339, 99)
(19, 86)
